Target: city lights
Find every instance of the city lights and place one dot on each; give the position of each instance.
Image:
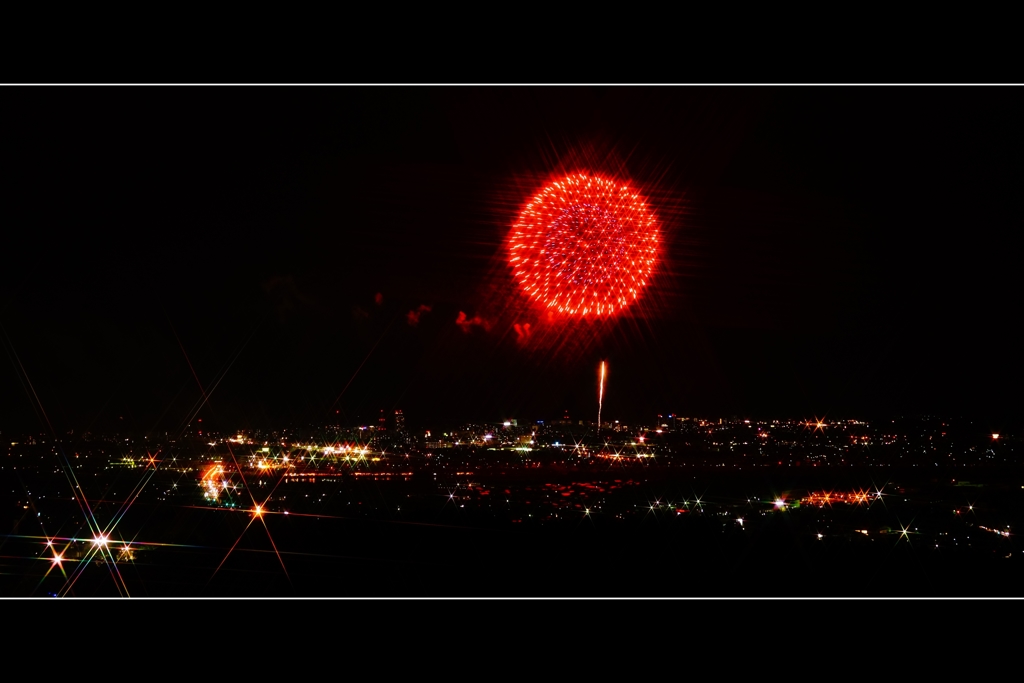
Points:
(539, 473)
(379, 312)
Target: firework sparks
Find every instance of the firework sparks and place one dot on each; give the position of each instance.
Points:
(600, 397)
(584, 246)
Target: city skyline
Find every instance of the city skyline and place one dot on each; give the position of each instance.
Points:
(837, 508)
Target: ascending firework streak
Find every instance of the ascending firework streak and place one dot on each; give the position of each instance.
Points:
(600, 398)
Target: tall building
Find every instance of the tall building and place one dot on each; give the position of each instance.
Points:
(400, 436)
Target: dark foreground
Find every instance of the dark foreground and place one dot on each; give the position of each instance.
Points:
(624, 532)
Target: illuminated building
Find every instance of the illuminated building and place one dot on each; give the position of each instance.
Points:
(401, 436)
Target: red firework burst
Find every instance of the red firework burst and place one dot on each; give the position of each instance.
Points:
(584, 246)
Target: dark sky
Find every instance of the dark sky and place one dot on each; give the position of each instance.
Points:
(848, 251)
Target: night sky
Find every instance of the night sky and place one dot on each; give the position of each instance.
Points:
(839, 251)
